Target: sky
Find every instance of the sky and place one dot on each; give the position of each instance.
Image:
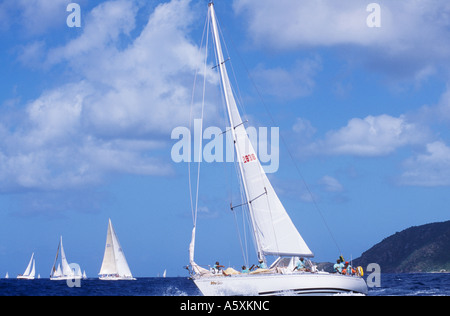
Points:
(360, 95)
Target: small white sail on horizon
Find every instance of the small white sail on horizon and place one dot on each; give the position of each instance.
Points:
(30, 271)
(6, 275)
(114, 265)
(63, 271)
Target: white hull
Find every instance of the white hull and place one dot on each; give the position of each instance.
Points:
(25, 277)
(116, 278)
(321, 283)
(78, 277)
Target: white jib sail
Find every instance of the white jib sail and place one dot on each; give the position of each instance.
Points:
(28, 269)
(66, 270)
(274, 231)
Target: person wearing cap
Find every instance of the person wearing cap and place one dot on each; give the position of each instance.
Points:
(217, 267)
(338, 266)
(301, 265)
(261, 264)
(347, 269)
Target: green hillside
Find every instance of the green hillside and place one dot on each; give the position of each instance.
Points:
(423, 248)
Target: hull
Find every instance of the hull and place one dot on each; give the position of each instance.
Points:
(24, 277)
(66, 278)
(321, 283)
(115, 278)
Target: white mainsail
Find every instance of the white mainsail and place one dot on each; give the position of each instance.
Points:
(275, 234)
(114, 265)
(30, 271)
(66, 270)
(33, 270)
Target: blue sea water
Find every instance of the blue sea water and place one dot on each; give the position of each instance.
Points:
(420, 284)
(413, 284)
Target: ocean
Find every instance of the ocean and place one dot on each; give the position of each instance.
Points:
(417, 284)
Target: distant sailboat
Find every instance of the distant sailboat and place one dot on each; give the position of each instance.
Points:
(7, 275)
(66, 273)
(164, 273)
(84, 275)
(114, 265)
(30, 271)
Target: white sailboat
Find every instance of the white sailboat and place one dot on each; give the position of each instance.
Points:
(114, 265)
(7, 275)
(30, 271)
(273, 230)
(66, 272)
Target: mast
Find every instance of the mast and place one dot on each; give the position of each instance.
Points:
(228, 99)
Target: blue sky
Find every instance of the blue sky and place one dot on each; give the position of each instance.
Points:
(86, 116)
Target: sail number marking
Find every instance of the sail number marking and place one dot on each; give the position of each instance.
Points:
(249, 158)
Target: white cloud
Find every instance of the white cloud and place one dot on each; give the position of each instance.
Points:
(103, 26)
(331, 184)
(310, 22)
(114, 119)
(429, 169)
(439, 112)
(34, 17)
(408, 43)
(304, 128)
(371, 136)
(143, 87)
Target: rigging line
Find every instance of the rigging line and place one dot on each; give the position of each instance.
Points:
(237, 92)
(194, 211)
(242, 107)
(287, 148)
(265, 192)
(217, 34)
(243, 243)
(246, 218)
(240, 238)
(245, 215)
(201, 125)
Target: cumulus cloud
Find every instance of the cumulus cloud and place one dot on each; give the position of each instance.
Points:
(408, 43)
(114, 119)
(431, 168)
(304, 128)
(33, 17)
(331, 184)
(371, 136)
(329, 22)
(436, 113)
